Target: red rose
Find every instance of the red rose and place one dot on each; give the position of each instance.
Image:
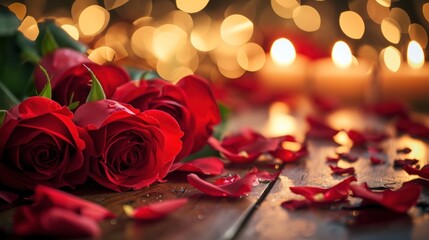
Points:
(55, 64)
(133, 149)
(190, 102)
(40, 144)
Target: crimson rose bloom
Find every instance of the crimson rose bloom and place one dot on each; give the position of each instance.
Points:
(55, 64)
(190, 102)
(133, 149)
(40, 144)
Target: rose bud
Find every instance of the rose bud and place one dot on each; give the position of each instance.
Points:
(40, 144)
(190, 102)
(133, 149)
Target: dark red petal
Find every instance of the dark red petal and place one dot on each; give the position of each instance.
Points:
(399, 201)
(287, 155)
(413, 128)
(404, 150)
(295, 204)
(399, 163)
(235, 189)
(320, 129)
(264, 176)
(158, 210)
(362, 138)
(208, 165)
(8, 196)
(376, 160)
(226, 180)
(423, 172)
(389, 109)
(326, 104)
(342, 171)
(43, 195)
(349, 157)
(333, 159)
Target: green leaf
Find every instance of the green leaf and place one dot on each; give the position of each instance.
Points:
(49, 44)
(150, 75)
(47, 90)
(61, 37)
(9, 23)
(72, 106)
(2, 116)
(7, 99)
(96, 93)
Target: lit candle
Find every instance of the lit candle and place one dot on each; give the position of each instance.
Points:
(284, 70)
(405, 82)
(342, 76)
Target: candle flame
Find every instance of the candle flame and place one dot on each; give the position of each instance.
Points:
(415, 55)
(342, 55)
(282, 52)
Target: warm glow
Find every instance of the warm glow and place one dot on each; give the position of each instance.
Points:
(284, 8)
(205, 34)
(384, 3)
(402, 18)
(102, 55)
(251, 57)
(343, 139)
(282, 52)
(19, 9)
(426, 11)
(376, 11)
(93, 20)
(191, 6)
(392, 58)
(71, 30)
(280, 122)
(418, 33)
(418, 148)
(236, 29)
(368, 52)
(112, 4)
(415, 55)
(29, 28)
(141, 41)
(342, 55)
(391, 30)
(167, 40)
(306, 18)
(352, 24)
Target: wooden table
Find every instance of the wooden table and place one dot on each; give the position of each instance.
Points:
(259, 215)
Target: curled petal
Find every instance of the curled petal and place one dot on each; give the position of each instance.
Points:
(226, 180)
(362, 138)
(235, 189)
(404, 150)
(400, 163)
(423, 172)
(320, 129)
(342, 171)
(155, 211)
(399, 201)
(289, 155)
(413, 128)
(208, 166)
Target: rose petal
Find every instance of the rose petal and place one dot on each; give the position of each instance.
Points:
(8, 196)
(414, 129)
(388, 109)
(156, 211)
(423, 172)
(376, 160)
(404, 150)
(208, 165)
(235, 189)
(342, 171)
(333, 159)
(264, 176)
(337, 192)
(326, 104)
(226, 180)
(320, 129)
(362, 138)
(400, 163)
(287, 155)
(67, 201)
(348, 157)
(399, 201)
(295, 204)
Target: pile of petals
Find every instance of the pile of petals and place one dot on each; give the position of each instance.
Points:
(399, 201)
(58, 214)
(155, 211)
(234, 186)
(248, 145)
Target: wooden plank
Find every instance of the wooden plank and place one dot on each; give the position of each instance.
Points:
(271, 221)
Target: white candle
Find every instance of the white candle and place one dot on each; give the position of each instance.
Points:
(406, 82)
(342, 76)
(284, 70)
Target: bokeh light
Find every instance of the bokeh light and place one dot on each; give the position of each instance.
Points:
(392, 58)
(29, 28)
(19, 9)
(415, 55)
(93, 20)
(236, 29)
(352, 24)
(251, 57)
(306, 18)
(283, 52)
(191, 6)
(391, 30)
(342, 55)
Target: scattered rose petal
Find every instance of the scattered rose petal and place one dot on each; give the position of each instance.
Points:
(423, 172)
(8, 196)
(320, 129)
(226, 180)
(237, 188)
(316, 195)
(362, 138)
(414, 129)
(264, 176)
(342, 171)
(58, 214)
(404, 150)
(388, 109)
(375, 160)
(399, 201)
(325, 104)
(289, 150)
(399, 163)
(208, 166)
(374, 150)
(348, 157)
(155, 211)
(333, 159)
